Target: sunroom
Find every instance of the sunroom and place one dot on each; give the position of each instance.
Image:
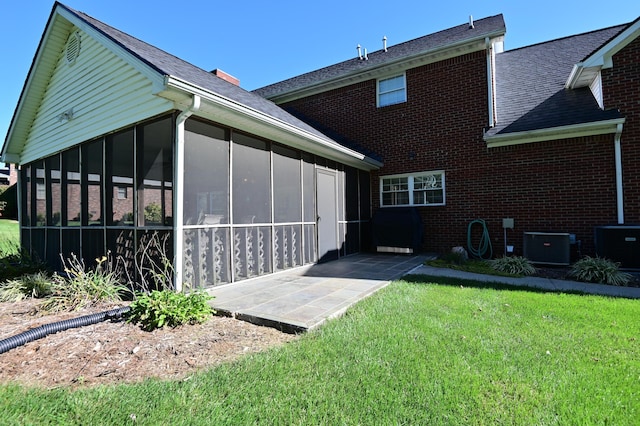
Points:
(127, 150)
(249, 206)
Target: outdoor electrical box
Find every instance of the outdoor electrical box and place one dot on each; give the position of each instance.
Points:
(507, 223)
(551, 248)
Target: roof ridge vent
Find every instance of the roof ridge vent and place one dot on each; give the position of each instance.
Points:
(470, 22)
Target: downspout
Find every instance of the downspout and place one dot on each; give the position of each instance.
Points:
(178, 181)
(19, 200)
(490, 79)
(618, 159)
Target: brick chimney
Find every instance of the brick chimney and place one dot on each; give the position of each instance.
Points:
(227, 77)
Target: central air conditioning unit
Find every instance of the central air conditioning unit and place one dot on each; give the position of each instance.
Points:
(551, 248)
(619, 243)
(397, 230)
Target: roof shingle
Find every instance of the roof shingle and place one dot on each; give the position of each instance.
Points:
(418, 46)
(171, 65)
(530, 93)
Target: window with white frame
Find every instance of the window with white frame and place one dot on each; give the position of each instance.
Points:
(416, 189)
(122, 193)
(392, 90)
(41, 191)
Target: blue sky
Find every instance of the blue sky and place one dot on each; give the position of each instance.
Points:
(263, 42)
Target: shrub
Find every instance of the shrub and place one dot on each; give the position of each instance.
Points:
(80, 288)
(153, 213)
(9, 202)
(599, 270)
(160, 308)
(30, 285)
(515, 265)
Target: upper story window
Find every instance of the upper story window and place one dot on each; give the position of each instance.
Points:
(418, 189)
(392, 90)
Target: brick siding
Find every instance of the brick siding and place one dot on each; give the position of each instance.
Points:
(621, 90)
(555, 186)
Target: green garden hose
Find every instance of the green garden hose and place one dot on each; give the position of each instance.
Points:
(484, 245)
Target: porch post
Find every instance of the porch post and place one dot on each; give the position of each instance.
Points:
(178, 193)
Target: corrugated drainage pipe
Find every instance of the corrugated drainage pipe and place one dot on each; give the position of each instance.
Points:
(52, 328)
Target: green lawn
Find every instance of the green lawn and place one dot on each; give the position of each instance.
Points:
(417, 352)
(9, 237)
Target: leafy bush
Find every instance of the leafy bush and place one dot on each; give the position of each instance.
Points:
(515, 265)
(81, 288)
(9, 202)
(160, 308)
(153, 213)
(30, 285)
(599, 270)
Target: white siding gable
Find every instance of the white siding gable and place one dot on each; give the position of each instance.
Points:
(94, 95)
(596, 89)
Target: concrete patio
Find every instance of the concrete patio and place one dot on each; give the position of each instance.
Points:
(303, 298)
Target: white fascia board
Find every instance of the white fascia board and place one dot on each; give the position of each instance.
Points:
(248, 114)
(8, 157)
(553, 133)
(603, 57)
(24, 98)
(391, 67)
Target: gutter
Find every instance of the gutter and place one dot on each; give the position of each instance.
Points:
(178, 180)
(253, 114)
(375, 71)
(551, 133)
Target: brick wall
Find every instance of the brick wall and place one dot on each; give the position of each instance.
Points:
(558, 186)
(621, 90)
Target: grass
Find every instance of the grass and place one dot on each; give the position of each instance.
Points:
(425, 350)
(9, 237)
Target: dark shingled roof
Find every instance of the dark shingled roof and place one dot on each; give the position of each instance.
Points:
(530, 93)
(168, 64)
(431, 42)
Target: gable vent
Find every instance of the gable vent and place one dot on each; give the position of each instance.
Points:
(72, 50)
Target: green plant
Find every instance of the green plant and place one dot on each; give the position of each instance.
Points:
(35, 285)
(153, 213)
(599, 270)
(160, 308)
(516, 265)
(81, 287)
(153, 263)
